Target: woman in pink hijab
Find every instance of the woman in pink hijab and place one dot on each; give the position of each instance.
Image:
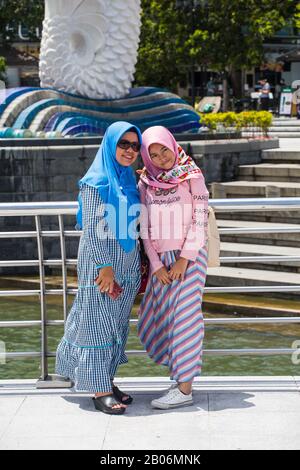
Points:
(174, 231)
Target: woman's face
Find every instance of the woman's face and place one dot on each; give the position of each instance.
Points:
(161, 156)
(127, 156)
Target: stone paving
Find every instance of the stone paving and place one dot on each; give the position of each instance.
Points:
(228, 413)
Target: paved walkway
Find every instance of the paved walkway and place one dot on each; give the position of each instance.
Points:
(228, 413)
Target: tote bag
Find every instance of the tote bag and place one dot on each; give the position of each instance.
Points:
(213, 240)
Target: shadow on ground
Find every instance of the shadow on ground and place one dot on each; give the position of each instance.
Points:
(203, 402)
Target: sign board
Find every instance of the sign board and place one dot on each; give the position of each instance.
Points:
(285, 106)
(21, 33)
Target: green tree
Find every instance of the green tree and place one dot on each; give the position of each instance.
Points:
(224, 35)
(231, 33)
(29, 13)
(2, 68)
(160, 61)
(297, 16)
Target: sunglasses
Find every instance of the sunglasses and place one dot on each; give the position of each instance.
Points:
(125, 144)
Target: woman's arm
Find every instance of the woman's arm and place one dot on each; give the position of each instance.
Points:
(95, 226)
(198, 232)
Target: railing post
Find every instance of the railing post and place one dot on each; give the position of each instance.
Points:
(53, 380)
(44, 359)
(64, 265)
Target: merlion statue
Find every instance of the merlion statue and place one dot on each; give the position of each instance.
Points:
(89, 47)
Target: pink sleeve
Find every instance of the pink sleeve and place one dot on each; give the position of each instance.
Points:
(155, 262)
(198, 232)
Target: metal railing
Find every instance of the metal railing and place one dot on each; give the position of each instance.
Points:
(60, 209)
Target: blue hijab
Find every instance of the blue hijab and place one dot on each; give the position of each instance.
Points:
(116, 185)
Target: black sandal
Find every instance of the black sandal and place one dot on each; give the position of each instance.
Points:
(121, 396)
(105, 404)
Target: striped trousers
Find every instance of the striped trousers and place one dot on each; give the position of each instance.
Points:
(171, 326)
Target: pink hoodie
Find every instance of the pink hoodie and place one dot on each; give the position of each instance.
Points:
(174, 219)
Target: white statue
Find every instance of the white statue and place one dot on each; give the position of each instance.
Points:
(89, 47)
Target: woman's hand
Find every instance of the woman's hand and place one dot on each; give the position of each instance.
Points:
(178, 269)
(163, 276)
(105, 279)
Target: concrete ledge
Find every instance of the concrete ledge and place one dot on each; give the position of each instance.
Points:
(224, 276)
(229, 145)
(79, 141)
(148, 384)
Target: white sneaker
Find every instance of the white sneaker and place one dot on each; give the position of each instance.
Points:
(173, 399)
(174, 385)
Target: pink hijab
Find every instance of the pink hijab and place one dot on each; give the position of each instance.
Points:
(184, 167)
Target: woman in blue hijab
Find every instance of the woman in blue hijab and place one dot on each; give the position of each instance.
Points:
(108, 271)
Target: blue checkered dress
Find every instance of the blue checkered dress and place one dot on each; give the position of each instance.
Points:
(97, 327)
